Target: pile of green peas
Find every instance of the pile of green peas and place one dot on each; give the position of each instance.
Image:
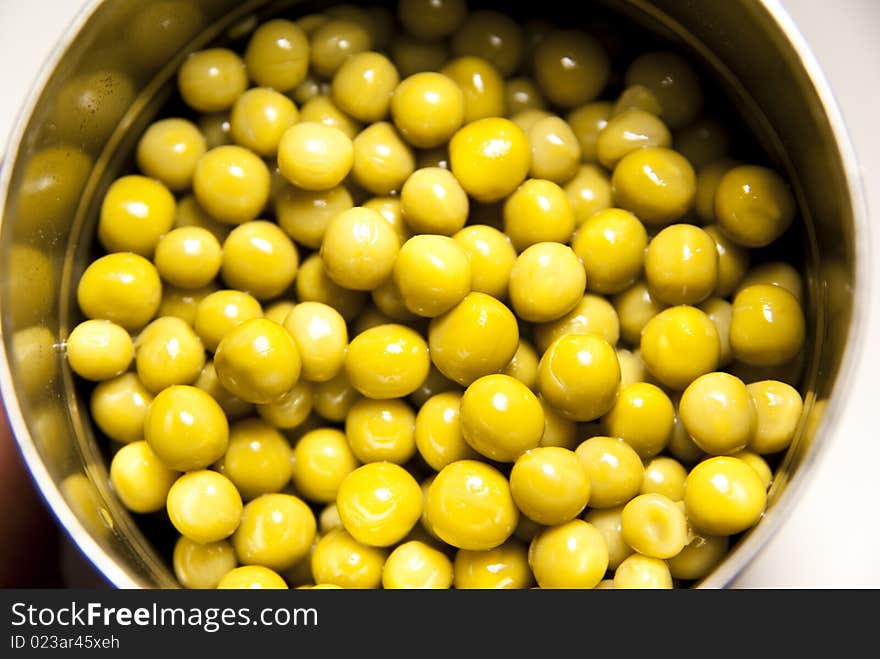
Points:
(412, 301)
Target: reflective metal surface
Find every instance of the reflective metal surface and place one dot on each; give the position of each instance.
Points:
(104, 84)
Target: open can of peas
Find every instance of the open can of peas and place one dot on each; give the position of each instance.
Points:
(427, 293)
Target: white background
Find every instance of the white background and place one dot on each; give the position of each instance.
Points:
(832, 538)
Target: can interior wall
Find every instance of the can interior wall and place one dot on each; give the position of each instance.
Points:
(116, 69)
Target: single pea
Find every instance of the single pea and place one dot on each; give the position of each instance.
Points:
(653, 525)
(204, 506)
(259, 118)
(188, 257)
(682, 446)
(322, 110)
(186, 428)
(635, 307)
(168, 352)
(433, 201)
(616, 471)
(588, 192)
(501, 418)
(309, 88)
(215, 127)
(490, 158)
(119, 407)
(434, 384)
(637, 97)
(579, 375)
(210, 80)
(642, 572)
(556, 151)
(99, 350)
(333, 42)
(469, 506)
(252, 577)
(558, 430)
(276, 531)
(666, 476)
(699, 557)
(438, 433)
(381, 430)
(720, 312)
(188, 213)
(323, 459)
(571, 555)
(412, 56)
(257, 459)
(522, 93)
(258, 361)
(587, 122)
(673, 81)
(524, 365)
(432, 273)
(314, 284)
(492, 36)
(655, 183)
(757, 463)
(221, 311)
(538, 211)
(169, 150)
(767, 327)
(379, 503)
(481, 85)
(334, 398)
(123, 288)
(277, 55)
(724, 496)
(608, 522)
(202, 566)
(50, 188)
(753, 205)
(677, 331)
(388, 299)
(417, 565)
(232, 184)
(704, 141)
(775, 273)
(592, 315)
(527, 118)
(389, 361)
(492, 256)
(359, 249)
(382, 160)
(363, 85)
(341, 560)
(313, 156)
(140, 479)
(322, 338)
(717, 412)
(778, 408)
(632, 369)
(681, 265)
(733, 262)
(277, 311)
(643, 417)
(505, 566)
(431, 19)
(628, 131)
(550, 485)
(611, 244)
(570, 67)
(546, 282)
(477, 337)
